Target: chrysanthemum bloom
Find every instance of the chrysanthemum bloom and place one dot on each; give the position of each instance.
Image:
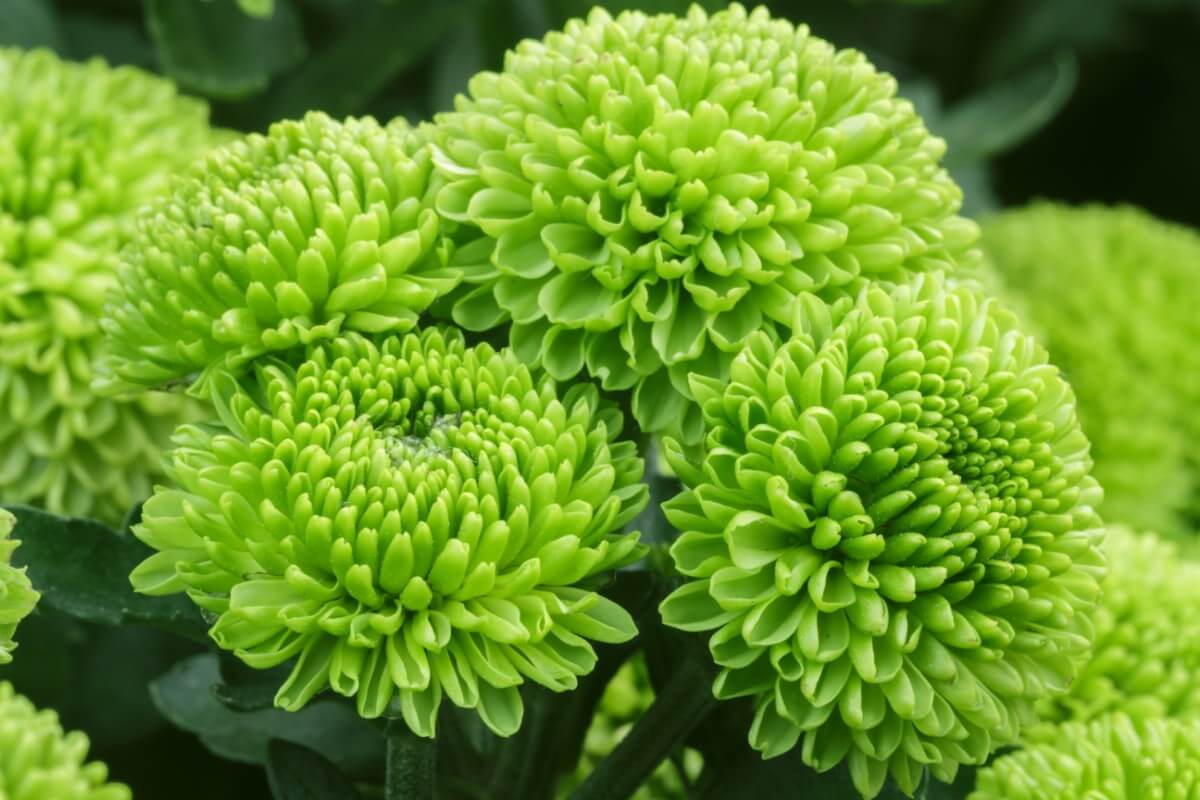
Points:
(1114, 294)
(1111, 757)
(38, 761)
(626, 698)
(1147, 651)
(891, 533)
(82, 147)
(17, 597)
(660, 188)
(276, 242)
(408, 520)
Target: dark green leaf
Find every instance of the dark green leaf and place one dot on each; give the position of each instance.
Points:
(82, 569)
(343, 76)
(963, 785)
(243, 688)
(1004, 115)
(117, 40)
(455, 61)
(1031, 31)
(185, 697)
(297, 773)
(975, 179)
(29, 23)
(211, 47)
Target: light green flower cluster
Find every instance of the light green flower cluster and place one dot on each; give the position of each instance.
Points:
(1115, 293)
(1147, 649)
(17, 596)
(626, 698)
(659, 189)
(276, 242)
(82, 147)
(891, 534)
(408, 520)
(889, 523)
(38, 761)
(1111, 757)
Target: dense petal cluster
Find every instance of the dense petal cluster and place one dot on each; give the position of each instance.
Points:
(626, 698)
(38, 761)
(408, 520)
(82, 147)
(1110, 757)
(17, 597)
(892, 533)
(659, 189)
(1113, 292)
(275, 242)
(1147, 650)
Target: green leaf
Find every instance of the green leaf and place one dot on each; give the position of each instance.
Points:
(211, 47)
(342, 77)
(185, 696)
(82, 570)
(1004, 115)
(257, 8)
(297, 773)
(29, 23)
(118, 40)
(456, 60)
(244, 688)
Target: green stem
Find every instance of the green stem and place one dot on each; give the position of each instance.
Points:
(411, 764)
(678, 708)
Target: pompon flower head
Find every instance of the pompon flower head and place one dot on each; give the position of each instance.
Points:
(1113, 293)
(626, 698)
(275, 242)
(17, 597)
(409, 520)
(891, 533)
(38, 761)
(660, 188)
(1147, 651)
(1112, 756)
(82, 147)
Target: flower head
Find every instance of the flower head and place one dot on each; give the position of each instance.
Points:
(661, 188)
(1113, 292)
(408, 520)
(1112, 756)
(1147, 651)
(82, 147)
(275, 242)
(38, 761)
(17, 597)
(891, 533)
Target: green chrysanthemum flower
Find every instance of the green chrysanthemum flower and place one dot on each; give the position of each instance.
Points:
(17, 597)
(38, 761)
(1114, 292)
(626, 698)
(1147, 651)
(661, 188)
(891, 532)
(275, 242)
(411, 520)
(82, 147)
(1113, 757)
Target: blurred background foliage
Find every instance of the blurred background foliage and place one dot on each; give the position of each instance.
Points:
(1073, 100)
(1079, 100)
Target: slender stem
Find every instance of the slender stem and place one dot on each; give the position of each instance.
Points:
(411, 764)
(682, 703)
